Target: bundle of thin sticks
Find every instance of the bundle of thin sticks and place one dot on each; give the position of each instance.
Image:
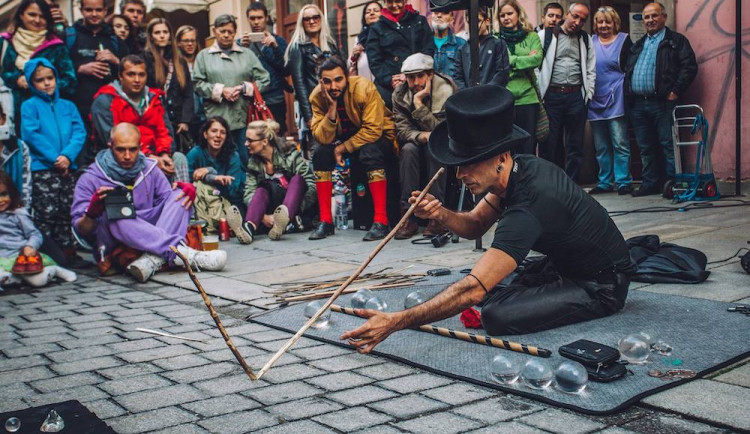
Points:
(381, 279)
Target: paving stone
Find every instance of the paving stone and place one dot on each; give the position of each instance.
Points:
(151, 420)
(77, 354)
(319, 352)
(407, 406)
(361, 395)
(560, 421)
(221, 405)
(29, 350)
(283, 392)
(668, 424)
(17, 391)
(613, 430)
(93, 325)
(153, 325)
(245, 330)
(186, 328)
(346, 362)
(134, 384)
(739, 376)
(727, 404)
(181, 362)
(496, 410)
(339, 381)
(130, 370)
(157, 398)
(380, 429)
(149, 317)
(78, 319)
(204, 372)
(458, 393)
(25, 375)
(156, 353)
(353, 419)
(112, 309)
(385, 371)
(64, 313)
(300, 426)
(105, 408)
(438, 423)
(97, 340)
(26, 325)
(239, 422)
(137, 345)
(95, 332)
(81, 393)
(66, 382)
(304, 408)
(226, 385)
(182, 429)
(85, 365)
(414, 383)
(47, 331)
(511, 428)
(210, 343)
(264, 336)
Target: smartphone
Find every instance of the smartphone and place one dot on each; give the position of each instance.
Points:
(256, 36)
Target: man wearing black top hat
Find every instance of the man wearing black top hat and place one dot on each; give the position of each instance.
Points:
(586, 271)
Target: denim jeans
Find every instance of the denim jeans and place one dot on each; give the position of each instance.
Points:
(567, 120)
(652, 125)
(612, 152)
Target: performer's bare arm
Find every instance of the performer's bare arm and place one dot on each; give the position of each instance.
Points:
(492, 267)
(470, 225)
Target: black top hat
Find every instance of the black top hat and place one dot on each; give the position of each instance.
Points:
(478, 125)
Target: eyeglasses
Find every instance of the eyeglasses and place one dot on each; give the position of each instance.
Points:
(254, 140)
(311, 19)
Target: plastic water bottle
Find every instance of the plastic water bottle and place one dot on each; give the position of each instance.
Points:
(340, 217)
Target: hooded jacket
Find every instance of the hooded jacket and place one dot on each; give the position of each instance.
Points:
(111, 107)
(51, 125)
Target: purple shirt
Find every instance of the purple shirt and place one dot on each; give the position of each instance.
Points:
(609, 98)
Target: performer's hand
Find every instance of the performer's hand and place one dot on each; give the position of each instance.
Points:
(428, 208)
(379, 326)
(187, 195)
(96, 204)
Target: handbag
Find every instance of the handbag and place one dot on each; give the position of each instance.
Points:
(258, 110)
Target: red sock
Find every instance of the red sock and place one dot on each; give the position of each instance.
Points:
(324, 189)
(379, 190)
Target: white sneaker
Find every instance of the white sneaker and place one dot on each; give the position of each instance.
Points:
(280, 220)
(235, 220)
(145, 266)
(213, 260)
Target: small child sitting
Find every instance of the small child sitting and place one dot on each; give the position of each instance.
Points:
(20, 260)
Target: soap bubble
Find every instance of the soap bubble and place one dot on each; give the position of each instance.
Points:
(505, 370)
(13, 424)
(648, 336)
(312, 308)
(376, 303)
(360, 297)
(537, 374)
(662, 348)
(413, 299)
(53, 423)
(634, 349)
(571, 377)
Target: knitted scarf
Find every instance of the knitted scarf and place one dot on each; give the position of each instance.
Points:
(512, 37)
(26, 42)
(106, 161)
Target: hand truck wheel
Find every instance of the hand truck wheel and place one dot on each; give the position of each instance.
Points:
(667, 191)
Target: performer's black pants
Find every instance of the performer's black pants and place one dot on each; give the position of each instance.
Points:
(539, 298)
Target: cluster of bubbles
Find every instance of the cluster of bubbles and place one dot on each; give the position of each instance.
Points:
(636, 347)
(366, 299)
(53, 423)
(569, 376)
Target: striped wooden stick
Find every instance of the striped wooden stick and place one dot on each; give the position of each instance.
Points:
(468, 337)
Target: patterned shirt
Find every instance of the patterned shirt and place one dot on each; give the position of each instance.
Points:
(348, 129)
(644, 82)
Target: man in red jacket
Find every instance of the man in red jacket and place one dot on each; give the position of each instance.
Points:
(130, 100)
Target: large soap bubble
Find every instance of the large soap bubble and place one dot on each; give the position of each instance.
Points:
(505, 370)
(537, 374)
(360, 297)
(571, 377)
(312, 308)
(13, 424)
(634, 348)
(414, 298)
(376, 303)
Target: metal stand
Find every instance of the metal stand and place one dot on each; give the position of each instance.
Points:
(474, 74)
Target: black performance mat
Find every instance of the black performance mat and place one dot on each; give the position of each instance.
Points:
(703, 334)
(78, 419)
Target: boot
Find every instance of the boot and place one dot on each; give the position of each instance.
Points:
(408, 230)
(434, 228)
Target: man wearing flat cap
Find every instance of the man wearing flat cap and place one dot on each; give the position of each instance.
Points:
(418, 107)
(586, 271)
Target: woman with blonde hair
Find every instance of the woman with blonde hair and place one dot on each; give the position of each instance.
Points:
(607, 107)
(524, 55)
(168, 71)
(310, 44)
(279, 183)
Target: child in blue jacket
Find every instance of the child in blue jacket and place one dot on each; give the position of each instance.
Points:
(53, 130)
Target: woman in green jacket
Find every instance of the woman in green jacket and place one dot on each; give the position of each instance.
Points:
(525, 55)
(279, 184)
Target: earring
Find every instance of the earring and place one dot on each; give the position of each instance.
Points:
(499, 168)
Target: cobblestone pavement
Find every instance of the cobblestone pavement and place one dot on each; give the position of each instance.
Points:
(79, 341)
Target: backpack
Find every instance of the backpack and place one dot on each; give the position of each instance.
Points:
(548, 32)
(71, 34)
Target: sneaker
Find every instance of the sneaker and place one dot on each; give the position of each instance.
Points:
(248, 231)
(235, 222)
(213, 260)
(280, 220)
(145, 266)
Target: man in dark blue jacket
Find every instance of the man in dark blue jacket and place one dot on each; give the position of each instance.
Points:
(661, 66)
(270, 51)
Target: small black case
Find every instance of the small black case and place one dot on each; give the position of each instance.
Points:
(605, 374)
(589, 353)
(119, 204)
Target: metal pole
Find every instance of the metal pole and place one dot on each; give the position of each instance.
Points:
(738, 99)
(474, 42)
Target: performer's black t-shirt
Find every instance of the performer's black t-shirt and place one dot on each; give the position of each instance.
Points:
(546, 211)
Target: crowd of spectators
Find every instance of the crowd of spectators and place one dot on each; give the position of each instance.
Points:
(134, 131)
